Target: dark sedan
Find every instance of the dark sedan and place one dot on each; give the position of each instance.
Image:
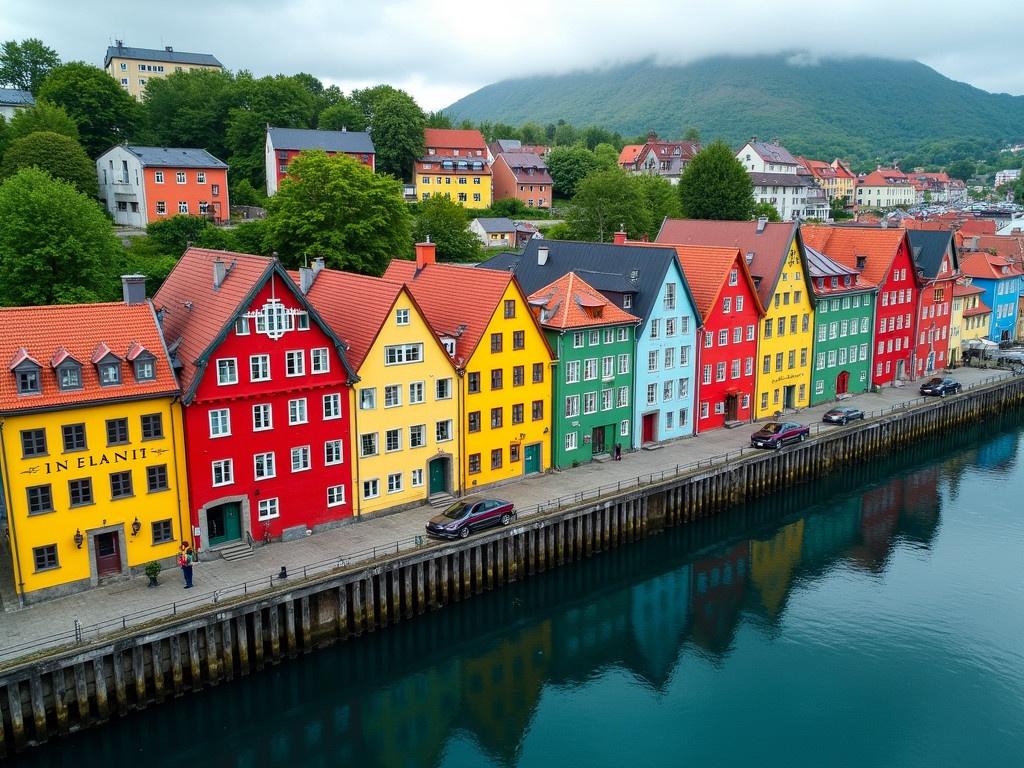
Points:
(470, 514)
(776, 434)
(940, 387)
(842, 415)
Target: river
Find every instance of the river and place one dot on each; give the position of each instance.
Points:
(873, 619)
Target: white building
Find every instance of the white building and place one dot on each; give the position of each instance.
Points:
(11, 100)
(885, 189)
(1005, 177)
(773, 171)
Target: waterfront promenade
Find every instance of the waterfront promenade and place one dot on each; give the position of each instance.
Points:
(27, 630)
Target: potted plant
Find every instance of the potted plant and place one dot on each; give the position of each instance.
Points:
(152, 571)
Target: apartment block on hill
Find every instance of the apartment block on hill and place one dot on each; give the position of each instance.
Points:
(133, 68)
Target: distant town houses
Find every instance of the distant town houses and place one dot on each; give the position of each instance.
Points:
(835, 178)
(1006, 176)
(498, 146)
(454, 166)
(139, 185)
(12, 100)
(522, 176)
(501, 232)
(658, 157)
(885, 188)
(282, 145)
(778, 182)
(133, 68)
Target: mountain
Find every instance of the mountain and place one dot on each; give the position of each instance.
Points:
(865, 108)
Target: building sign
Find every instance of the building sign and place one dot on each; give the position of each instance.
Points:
(90, 460)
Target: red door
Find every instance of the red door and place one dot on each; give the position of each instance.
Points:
(842, 383)
(108, 554)
(650, 424)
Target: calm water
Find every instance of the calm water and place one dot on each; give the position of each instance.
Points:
(875, 619)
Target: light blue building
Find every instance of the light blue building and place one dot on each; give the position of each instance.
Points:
(1002, 284)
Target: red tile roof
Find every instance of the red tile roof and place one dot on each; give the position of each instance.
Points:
(981, 309)
(880, 179)
(985, 265)
(566, 299)
(1010, 247)
(770, 247)
(49, 335)
(967, 290)
(845, 244)
(629, 152)
(707, 272)
(448, 138)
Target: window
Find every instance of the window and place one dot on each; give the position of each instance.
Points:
(668, 390)
(670, 358)
(720, 372)
(371, 489)
(443, 431)
(300, 458)
(297, 411)
(474, 463)
(497, 416)
(180, 176)
(513, 453)
(627, 301)
(416, 390)
(473, 382)
(295, 362)
(144, 368)
(590, 369)
(40, 499)
(496, 342)
(392, 395)
(750, 332)
(537, 410)
(572, 406)
(443, 389)
(80, 492)
(45, 558)
(182, 206)
(158, 177)
(200, 176)
(595, 338)
(578, 339)
(400, 354)
(395, 482)
(259, 368)
(416, 478)
(156, 478)
(268, 509)
(572, 372)
(518, 339)
(367, 399)
(110, 374)
(74, 437)
(517, 414)
(739, 308)
(220, 423)
(332, 406)
(496, 378)
(518, 376)
(589, 402)
(223, 472)
(510, 308)
(624, 364)
(319, 362)
(332, 453)
(162, 531)
(737, 334)
(669, 302)
(227, 371)
(161, 208)
(69, 376)
(733, 277)
(767, 327)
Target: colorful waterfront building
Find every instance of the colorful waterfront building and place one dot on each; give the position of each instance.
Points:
(92, 459)
(970, 321)
(1001, 282)
(265, 387)
(882, 258)
(844, 322)
(646, 281)
(404, 447)
(595, 345)
(938, 269)
(454, 166)
(503, 361)
(785, 336)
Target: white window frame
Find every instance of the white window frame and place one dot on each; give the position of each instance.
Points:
(259, 368)
(319, 360)
(305, 460)
(262, 408)
(216, 422)
(291, 356)
(417, 392)
(268, 461)
(334, 447)
(332, 406)
(335, 495)
(294, 417)
(227, 472)
(268, 509)
(227, 371)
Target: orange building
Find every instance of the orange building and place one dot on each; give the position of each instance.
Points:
(524, 176)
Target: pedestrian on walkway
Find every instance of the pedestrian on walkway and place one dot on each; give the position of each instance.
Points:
(186, 557)
(618, 451)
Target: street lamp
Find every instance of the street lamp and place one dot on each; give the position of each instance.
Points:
(79, 538)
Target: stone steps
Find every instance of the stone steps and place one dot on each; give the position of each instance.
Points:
(440, 499)
(238, 551)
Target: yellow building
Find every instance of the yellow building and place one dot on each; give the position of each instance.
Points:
(405, 407)
(503, 360)
(133, 68)
(773, 564)
(455, 166)
(970, 319)
(91, 450)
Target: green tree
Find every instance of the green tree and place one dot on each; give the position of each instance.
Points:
(26, 64)
(512, 208)
(60, 156)
(244, 193)
(569, 166)
(396, 127)
(692, 134)
(607, 156)
(338, 209)
(715, 185)
(962, 169)
(345, 114)
(190, 109)
(565, 135)
(531, 133)
(173, 235)
(56, 245)
(604, 202)
(765, 210)
(446, 223)
(661, 201)
(438, 120)
(104, 112)
(42, 117)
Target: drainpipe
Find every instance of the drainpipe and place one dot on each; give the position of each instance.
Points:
(177, 476)
(357, 503)
(10, 519)
(460, 378)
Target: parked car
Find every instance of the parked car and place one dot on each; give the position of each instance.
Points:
(776, 434)
(470, 514)
(842, 415)
(940, 387)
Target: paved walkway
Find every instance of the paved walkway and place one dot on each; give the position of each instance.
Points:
(34, 624)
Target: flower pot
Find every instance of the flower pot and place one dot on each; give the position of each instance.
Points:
(152, 581)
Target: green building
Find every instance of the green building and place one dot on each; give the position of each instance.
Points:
(844, 325)
(595, 343)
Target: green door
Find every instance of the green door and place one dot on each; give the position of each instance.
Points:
(224, 522)
(531, 463)
(438, 470)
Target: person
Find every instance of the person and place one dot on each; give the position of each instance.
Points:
(618, 451)
(186, 558)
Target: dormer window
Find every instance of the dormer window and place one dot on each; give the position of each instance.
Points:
(69, 376)
(846, 281)
(27, 376)
(821, 283)
(835, 282)
(110, 373)
(145, 367)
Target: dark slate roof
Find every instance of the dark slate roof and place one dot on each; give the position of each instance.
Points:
(820, 265)
(12, 96)
(496, 224)
(772, 152)
(780, 179)
(358, 142)
(928, 247)
(608, 268)
(160, 54)
(175, 157)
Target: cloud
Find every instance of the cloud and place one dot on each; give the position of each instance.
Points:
(441, 49)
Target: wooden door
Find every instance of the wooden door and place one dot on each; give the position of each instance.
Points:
(108, 553)
(650, 427)
(597, 440)
(732, 407)
(842, 383)
(531, 459)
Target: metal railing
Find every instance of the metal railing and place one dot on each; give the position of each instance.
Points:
(84, 633)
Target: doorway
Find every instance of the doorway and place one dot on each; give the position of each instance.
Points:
(843, 383)
(789, 396)
(930, 366)
(901, 367)
(732, 407)
(108, 553)
(597, 444)
(650, 428)
(438, 472)
(531, 459)
(224, 523)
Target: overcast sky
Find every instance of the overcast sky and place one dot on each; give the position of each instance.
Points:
(440, 50)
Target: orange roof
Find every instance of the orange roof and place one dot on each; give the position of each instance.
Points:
(449, 138)
(881, 179)
(978, 226)
(87, 333)
(707, 271)
(985, 265)
(845, 244)
(966, 290)
(566, 300)
(629, 153)
(980, 309)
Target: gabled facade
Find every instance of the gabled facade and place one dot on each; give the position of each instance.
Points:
(1001, 282)
(282, 145)
(970, 320)
(834, 178)
(785, 336)
(658, 157)
(648, 282)
(844, 325)
(133, 68)
(503, 361)
(265, 388)
(885, 188)
(407, 387)
(882, 257)
(92, 460)
(938, 269)
(592, 383)
(494, 232)
(12, 100)
(139, 185)
(522, 176)
(454, 166)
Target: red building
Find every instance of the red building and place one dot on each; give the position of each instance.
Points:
(265, 387)
(283, 144)
(730, 312)
(936, 260)
(883, 258)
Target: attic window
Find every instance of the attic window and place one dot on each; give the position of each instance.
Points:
(846, 281)
(110, 373)
(27, 376)
(145, 367)
(862, 262)
(821, 282)
(69, 376)
(835, 282)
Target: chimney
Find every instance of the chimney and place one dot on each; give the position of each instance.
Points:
(168, 49)
(620, 237)
(762, 222)
(119, 44)
(542, 255)
(974, 240)
(133, 288)
(344, 129)
(651, 137)
(306, 276)
(219, 273)
(426, 253)
(318, 265)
